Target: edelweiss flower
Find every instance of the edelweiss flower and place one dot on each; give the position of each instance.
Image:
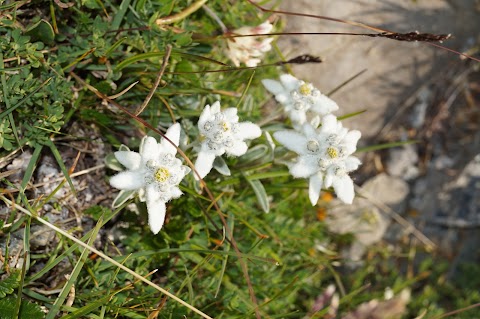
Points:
(324, 157)
(221, 133)
(155, 173)
(249, 50)
(299, 97)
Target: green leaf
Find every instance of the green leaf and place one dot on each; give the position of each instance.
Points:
(60, 163)
(160, 54)
(346, 116)
(28, 310)
(384, 146)
(91, 306)
(255, 153)
(122, 197)
(74, 275)
(122, 9)
(9, 284)
(261, 194)
(41, 31)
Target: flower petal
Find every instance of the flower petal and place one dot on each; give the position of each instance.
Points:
(149, 149)
(305, 167)
(351, 163)
(231, 114)
(289, 82)
(283, 98)
(173, 133)
(298, 117)
(156, 214)
(329, 124)
(273, 86)
(263, 28)
(315, 187)
(238, 149)
(344, 189)
(215, 107)
(292, 140)
(351, 139)
(309, 130)
(324, 105)
(251, 63)
(176, 192)
(329, 176)
(248, 131)
(204, 163)
(204, 117)
(130, 160)
(128, 180)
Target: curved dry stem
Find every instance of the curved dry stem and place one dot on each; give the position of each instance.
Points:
(182, 14)
(168, 51)
(102, 255)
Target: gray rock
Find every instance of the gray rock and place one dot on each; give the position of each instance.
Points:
(402, 162)
(363, 219)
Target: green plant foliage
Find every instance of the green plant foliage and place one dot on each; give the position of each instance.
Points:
(68, 77)
(28, 310)
(9, 284)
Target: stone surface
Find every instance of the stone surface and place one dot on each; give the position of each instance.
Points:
(395, 70)
(450, 210)
(403, 162)
(363, 219)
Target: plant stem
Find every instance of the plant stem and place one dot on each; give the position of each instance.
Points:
(182, 14)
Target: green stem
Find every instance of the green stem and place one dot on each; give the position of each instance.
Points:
(182, 14)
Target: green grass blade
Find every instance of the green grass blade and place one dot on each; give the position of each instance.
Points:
(346, 116)
(91, 306)
(30, 168)
(60, 163)
(384, 146)
(246, 89)
(226, 248)
(26, 256)
(122, 9)
(7, 101)
(73, 276)
(114, 46)
(147, 253)
(51, 264)
(159, 54)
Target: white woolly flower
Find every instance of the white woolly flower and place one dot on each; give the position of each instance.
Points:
(249, 50)
(154, 172)
(222, 133)
(324, 157)
(299, 99)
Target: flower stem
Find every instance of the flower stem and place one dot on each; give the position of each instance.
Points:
(215, 17)
(168, 51)
(182, 14)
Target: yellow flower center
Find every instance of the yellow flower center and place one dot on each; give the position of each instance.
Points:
(162, 174)
(305, 89)
(332, 152)
(202, 137)
(225, 126)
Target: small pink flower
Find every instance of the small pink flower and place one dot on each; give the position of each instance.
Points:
(249, 50)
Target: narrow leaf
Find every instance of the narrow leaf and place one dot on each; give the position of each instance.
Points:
(260, 193)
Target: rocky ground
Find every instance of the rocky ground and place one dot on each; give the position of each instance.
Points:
(411, 91)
